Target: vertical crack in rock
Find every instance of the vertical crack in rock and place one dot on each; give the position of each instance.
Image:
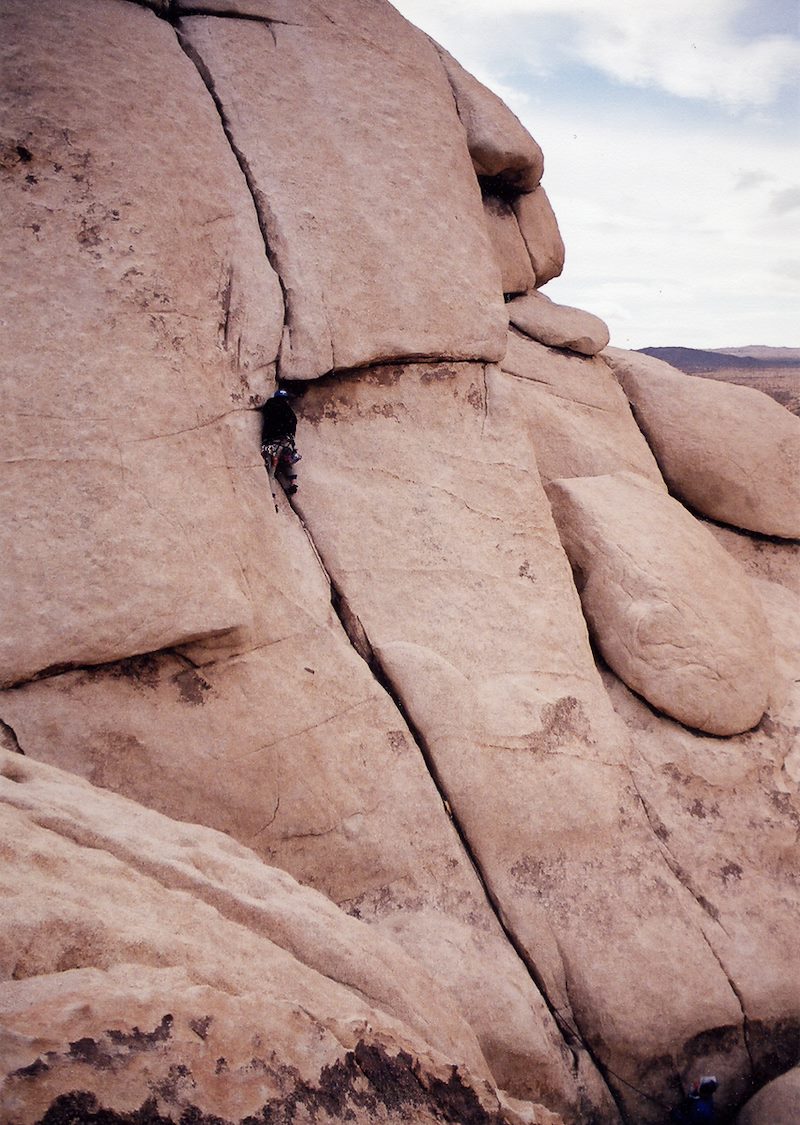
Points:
(659, 831)
(680, 873)
(740, 999)
(8, 738)
(259, 202)
(604, 1071)
(359, 639)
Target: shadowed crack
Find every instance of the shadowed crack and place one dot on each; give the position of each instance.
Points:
(675, 867)
(359, 639)
(740, 1000)
(258, 200)
(8, 738)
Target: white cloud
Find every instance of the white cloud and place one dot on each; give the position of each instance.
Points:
(662, 243)
(688, 48)
(676, 223)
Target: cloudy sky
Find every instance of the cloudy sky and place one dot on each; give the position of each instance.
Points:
(671, 135)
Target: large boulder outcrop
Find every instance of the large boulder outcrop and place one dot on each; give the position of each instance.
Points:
(143, 321)
(116, 996)
(501, 147)
(730, 452)
(508, 245)
(539, 227)
(384, 686)
(778, 1103)
(578, 417)
(672, 613)
(296, 751)
(725, 812)
(558, 326)
(419, 484)
(371, 207)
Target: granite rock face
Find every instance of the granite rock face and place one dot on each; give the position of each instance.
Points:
(672, 613)
(409, 266)
(539, 897)
(730, 452)
(127, 386)
(539, 227)
(128, 1005)
(558, 326)
(578, 417)
(777, 1104)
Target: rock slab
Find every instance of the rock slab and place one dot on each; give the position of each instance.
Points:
(366, 190)
(732, 453)
(558, 326)
(672, 613)
(113, 984)
(143, 320)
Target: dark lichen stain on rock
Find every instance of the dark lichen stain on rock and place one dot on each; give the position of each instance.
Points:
(437, 374)
(37, 1067)
(562, 721)
(89, 1051)
(137, 1040)
(200, 1026)
(367, 1078)
(192, 687)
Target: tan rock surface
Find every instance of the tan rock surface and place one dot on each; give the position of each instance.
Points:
(672, 613)
(295, 751)
(337, 795)
(558, 326)
(578, 418)
(537, 222)
(143, 317)
(500, 145)
(778, 1103)
(119, 916)
(644, 873)
(730, 452)
(372, 209)
(508, 245)
(421, 495)
(726, 813)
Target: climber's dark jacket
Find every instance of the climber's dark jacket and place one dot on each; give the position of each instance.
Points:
(279, 420)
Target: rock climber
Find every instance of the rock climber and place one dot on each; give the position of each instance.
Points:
(698, 1106)
(278, 428)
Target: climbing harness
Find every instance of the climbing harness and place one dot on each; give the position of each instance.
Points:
(279, 457)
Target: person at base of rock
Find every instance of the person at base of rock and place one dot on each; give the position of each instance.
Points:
(278, 428)
(698, 1106)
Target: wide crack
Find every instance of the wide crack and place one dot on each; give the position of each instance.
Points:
(259, 203)
(8, 739)
(359, 639)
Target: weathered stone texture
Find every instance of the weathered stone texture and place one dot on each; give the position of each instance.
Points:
(672, 613)
(172, 634)
(558, 326)
(466, 598)
(579, 420)
(114, 979)
(508, 245)
(726, 813)
(777, 1104)
(539, 227)
(730, 452)
(294, 750)
(142, 316)
(364, 181)
(500, 146)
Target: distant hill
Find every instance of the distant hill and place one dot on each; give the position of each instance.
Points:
(775, 371)
(759, 351)
(693, 360)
